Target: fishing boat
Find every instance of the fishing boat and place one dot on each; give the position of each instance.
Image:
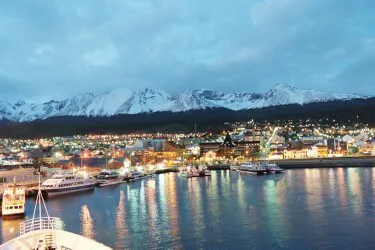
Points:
(60, 184)
(108, 178)
(47, 233)
(13, 201)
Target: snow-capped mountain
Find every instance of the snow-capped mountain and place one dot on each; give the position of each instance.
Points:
(127, 101)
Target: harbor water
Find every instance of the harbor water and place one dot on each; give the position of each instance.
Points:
(300, 209)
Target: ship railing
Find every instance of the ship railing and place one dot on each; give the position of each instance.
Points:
(43, 223)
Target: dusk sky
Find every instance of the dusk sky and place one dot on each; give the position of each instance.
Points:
(52, 49)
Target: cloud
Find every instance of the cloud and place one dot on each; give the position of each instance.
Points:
(45, 49)
(105, 57)
(77, 46)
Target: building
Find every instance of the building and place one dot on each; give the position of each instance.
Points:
(322, 150)
(337, 146)
(154, 144)
(228, 149)
(368, 149)
(256, 135)
(295, 153)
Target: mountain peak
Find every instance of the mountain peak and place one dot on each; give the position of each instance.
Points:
(144, 99)
(284, 86)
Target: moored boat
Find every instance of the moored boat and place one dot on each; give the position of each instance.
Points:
(272, 168)
(251, 168)
(47, 233)
(13, 201)
(60, 184)
(184, 172)
(203, 171)
(234, 168)
(108, 178)
(134, 175)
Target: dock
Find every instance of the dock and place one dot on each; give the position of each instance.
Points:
(23, 176)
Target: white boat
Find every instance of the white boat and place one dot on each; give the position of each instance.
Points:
(194, 173)
(134, 175)
(203, 171)
(13, 201)
(234, 168)
(108, 178)
(184, 172)
(251, 168)
(207, 172)
(60, 184)
(272, 168)
(47, 233)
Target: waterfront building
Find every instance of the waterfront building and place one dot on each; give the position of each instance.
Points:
(295, 153)
(322, 150)
(337, 146)
(228, 148)
(368, 149)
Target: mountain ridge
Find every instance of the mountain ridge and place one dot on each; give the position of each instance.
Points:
(149, 100)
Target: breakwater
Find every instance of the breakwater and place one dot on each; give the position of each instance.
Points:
(327, 162)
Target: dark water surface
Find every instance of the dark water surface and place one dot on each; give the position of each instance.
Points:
(301, 209)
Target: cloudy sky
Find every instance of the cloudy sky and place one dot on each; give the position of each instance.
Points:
(55, 48)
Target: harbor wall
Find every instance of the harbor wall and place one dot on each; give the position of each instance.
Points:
(327, 162)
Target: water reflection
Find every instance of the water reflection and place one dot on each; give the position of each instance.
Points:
(354, 188)
(302, 209)
(152, 222)
(341, 187)
(9, 229)
(87, 223)
(121, 230)
(172, 205)
(273, 211)
(313, 185)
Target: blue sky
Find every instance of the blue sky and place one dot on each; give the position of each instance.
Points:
(54, 48)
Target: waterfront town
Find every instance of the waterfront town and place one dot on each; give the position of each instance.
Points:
(244, 141)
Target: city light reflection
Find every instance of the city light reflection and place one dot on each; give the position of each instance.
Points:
(87, 223)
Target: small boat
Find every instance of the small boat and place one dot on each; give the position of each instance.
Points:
(207, 172)
(234, 168)
(203, 171)
(184, 172)
(108, 178)
(60, 184)
(13, 202)
(195, 173)
(47, 233)
(134, 175)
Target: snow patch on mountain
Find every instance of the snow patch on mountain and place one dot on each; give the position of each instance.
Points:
(129, 101)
